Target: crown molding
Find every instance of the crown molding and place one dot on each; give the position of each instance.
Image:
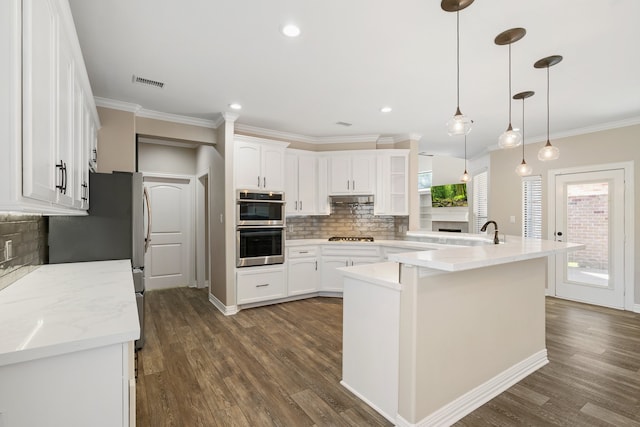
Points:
(386, 140)
(117, 105)
(295, 137)
(229, 117)
(218, 120)
(175, 118)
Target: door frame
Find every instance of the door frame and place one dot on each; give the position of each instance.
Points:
(203, 240)
(629, 222)
(191, 267)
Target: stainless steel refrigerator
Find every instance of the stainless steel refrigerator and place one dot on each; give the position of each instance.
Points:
(114, 229)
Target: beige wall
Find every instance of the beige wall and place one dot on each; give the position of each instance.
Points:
(116, 140)
(166, 159)
(610, 146)
(176, 131)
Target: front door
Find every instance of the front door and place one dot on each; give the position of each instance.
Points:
(590, 210)
(168, 258)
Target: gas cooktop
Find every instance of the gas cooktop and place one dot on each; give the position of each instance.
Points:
(351, 239)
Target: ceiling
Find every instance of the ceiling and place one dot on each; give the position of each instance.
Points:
(353, 57)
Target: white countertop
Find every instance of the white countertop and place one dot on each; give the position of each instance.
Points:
(469, 257)
(63, 308)
(385, 274)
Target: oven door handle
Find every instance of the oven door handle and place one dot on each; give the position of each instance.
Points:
(256, 227)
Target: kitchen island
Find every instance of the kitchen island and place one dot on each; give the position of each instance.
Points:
(66, 346)
(429, 336)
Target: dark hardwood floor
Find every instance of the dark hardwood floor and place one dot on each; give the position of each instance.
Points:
(280, 365)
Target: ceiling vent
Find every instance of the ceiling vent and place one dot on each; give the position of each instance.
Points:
(344, 124)
(148, 82)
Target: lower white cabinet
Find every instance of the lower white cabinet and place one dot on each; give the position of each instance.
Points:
(255, 284)
(303, 271)
(93, 387)
(334, 257)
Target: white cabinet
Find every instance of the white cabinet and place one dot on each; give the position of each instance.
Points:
(303, 272)
(343, 255)
(392, 184)
(259, 164)
(352, 173)
(255, 284)
(41, 80)
(301, 182)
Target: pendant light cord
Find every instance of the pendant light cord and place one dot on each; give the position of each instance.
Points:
(458, 59)
(547, 104)
(523, 130)
(465, 153)
(509, 94)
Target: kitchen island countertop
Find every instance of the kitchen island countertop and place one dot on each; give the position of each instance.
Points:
(63, 308)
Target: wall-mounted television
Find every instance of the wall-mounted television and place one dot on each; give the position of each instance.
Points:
(449, 195)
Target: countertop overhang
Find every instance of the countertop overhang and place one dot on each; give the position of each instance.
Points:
(63, 308)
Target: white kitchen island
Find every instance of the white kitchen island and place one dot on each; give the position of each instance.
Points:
(431, 336)
(66, 346)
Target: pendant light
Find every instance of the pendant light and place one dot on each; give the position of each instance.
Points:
(459, 124)
(523, 168)
(510, 138)
(548, 152)
(465, 177)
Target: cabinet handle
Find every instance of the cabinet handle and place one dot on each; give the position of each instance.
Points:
(85, 191)
(95, 155)
(346, 263)
(258, 182)
(264, 182)
(316, 265)
(300, 204)
(296, 206)
(262, 286)
(354, 184)
(347, 184)
(59, 166)
(64, 169)
(303, 252)
(63, 177)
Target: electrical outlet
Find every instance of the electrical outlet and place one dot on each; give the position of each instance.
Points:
(8, 250)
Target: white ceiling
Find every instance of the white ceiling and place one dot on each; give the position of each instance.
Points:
(355, 56)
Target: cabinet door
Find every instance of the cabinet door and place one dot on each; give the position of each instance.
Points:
(247, 166)
(65, 122)
(39, 100)
(303, 275)
(81, 144)
(272, 168)
(364, 260)
(307, 185)
(331, 279)
(399, 185)
(340, 174)
(260, 285)
(291, 183)
(363, 174)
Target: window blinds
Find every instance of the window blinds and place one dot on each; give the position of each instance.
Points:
(480, 207)
(532, 207)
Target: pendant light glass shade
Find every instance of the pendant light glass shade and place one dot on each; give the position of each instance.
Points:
(548, 152)
(523, 169)
(510, 138)
(459, 124)
(465, 177)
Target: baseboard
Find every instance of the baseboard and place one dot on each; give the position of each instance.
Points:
(226, 310)
(365, 400)
(636, 308)
(480, 395)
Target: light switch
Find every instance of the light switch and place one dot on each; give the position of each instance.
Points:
(8, 250)
(512, 219)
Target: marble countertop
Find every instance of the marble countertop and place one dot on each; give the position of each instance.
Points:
(409, 244)
(64, 308)
(469, 257)
(385, 274)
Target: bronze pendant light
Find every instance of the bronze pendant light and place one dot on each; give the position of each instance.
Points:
(523, 168)
(548, 152)
(510, 138)
(465, 177)
(459, 124)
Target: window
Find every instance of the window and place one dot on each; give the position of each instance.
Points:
(532, 207)
(480, 206)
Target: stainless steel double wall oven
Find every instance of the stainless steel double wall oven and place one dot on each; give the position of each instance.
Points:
(260, 228)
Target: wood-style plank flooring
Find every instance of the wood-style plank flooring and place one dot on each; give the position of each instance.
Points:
(280, 365)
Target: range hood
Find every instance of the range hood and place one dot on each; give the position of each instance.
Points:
(351, 200)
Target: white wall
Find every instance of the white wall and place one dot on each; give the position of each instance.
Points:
(446, 170)
(166, 159)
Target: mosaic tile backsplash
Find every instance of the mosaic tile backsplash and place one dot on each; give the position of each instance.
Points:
(346, 221)
(28, 236)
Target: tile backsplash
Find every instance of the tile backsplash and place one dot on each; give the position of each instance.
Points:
(347, 221)
(28, 236)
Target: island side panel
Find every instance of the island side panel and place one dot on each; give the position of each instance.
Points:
(461, 329)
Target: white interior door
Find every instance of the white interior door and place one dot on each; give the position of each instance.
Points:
(169, 261)
(590, 210)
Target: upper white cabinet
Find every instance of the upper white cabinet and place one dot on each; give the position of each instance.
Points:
(352, 172)
(47, 129)
(392, 183)
(301, 182)
(259, 164)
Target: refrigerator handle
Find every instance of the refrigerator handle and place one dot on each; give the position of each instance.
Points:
(147, 239)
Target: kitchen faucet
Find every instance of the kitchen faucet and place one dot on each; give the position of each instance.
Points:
(495, 226)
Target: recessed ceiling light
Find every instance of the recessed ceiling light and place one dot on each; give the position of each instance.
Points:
(385, 109)
(235, 106)
(291, 30)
